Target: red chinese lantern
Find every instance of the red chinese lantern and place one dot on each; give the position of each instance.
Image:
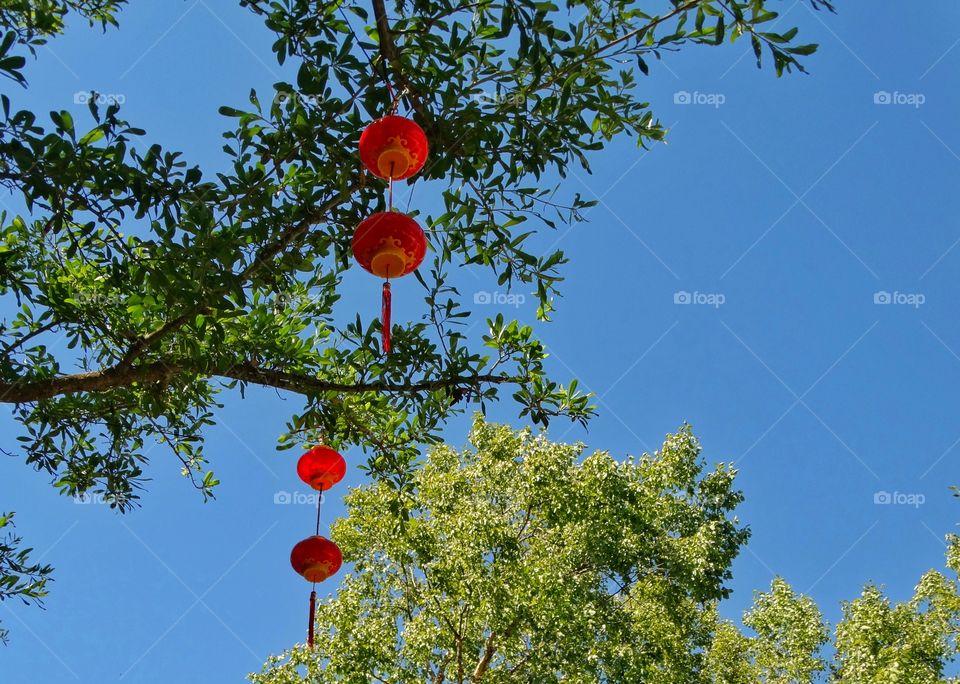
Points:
(393, 148)
(389, 245)
(316, 558)
(321, 467)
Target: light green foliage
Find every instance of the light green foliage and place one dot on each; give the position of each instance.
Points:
(881, 643)
(789, 633)
(876, 642)
(520, 561)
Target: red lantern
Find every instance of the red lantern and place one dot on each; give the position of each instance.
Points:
(316, 558)
(389, 244)
(393, 148)
(321, 467)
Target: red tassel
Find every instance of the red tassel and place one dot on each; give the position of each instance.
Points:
(385, 317)
(313, 613)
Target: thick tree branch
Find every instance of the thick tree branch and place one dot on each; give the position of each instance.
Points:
(26, 391)
(390, 59)
(488, 650)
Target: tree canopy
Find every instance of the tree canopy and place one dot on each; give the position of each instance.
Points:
(524, 561)
(172, 283)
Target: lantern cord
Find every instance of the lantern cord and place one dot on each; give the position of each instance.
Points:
(313, 612)
(390, 188)
(393, 100)
(385, 316)
(319, 501)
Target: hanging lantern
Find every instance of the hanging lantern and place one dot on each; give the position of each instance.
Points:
(321, 467)
(393, 148)
(316, 558)
(389, 245)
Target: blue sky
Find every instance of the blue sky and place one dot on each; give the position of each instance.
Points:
(786, 212)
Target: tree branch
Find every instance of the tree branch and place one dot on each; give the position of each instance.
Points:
(26, 391)
(287, 237)
(488, 650)
(390, 58)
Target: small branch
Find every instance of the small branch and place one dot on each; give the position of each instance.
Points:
(569, 66)
(143, 343)
(295, 232)
(289, 236)
(20, 341)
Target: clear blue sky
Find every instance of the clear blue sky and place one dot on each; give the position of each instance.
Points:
(794, 202)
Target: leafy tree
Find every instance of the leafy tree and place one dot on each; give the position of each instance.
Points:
(522, 561)
(876, 641)
(519, 562)
(171, 284)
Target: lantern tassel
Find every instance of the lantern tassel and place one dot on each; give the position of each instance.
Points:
(385, 316)
(313, 614)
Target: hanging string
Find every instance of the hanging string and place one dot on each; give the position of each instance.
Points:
(313, 590)
(393, 100)
(386, 303)
(319, 501)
